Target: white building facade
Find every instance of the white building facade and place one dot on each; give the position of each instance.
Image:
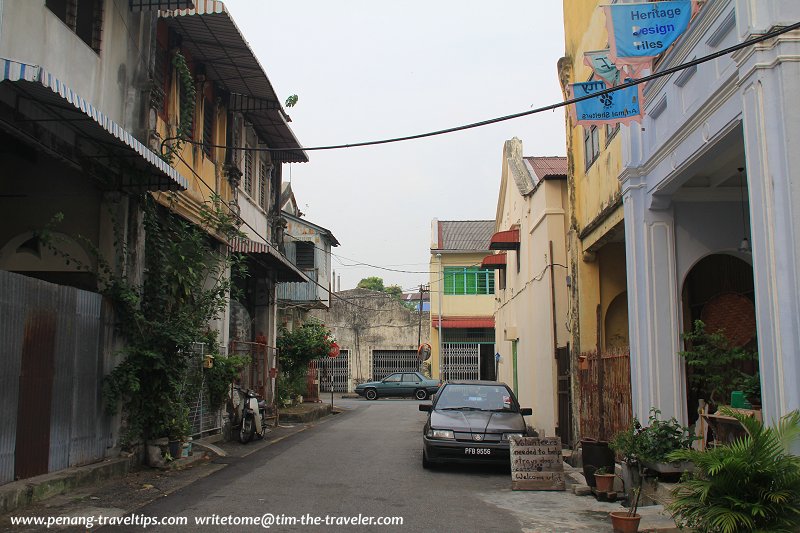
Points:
(715, 161)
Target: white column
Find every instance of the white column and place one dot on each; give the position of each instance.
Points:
(657, 372)
(769, 85)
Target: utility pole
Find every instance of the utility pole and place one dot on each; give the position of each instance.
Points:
(441, 294)
(419, 310)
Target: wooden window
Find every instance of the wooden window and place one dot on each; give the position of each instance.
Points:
(208, 127)
(611, 131)
(263, 184)
(161, 70)
(84, 17)
(304, 255)
(248, 172)
(468, 281)
(591, 145)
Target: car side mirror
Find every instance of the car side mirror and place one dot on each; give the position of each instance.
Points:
(425, 407)
(526, 411)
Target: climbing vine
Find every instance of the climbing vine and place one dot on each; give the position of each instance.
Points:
(187, 284)
(188, 100)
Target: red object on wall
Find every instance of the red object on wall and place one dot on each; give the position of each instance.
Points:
(273, 372)
(334, 351)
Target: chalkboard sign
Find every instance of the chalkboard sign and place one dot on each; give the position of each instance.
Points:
(536, 464)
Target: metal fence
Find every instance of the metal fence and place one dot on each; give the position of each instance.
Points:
(53, 342)
(461, 361)
(202, 418)
(335, 372)
(605, 394)
(385, 362)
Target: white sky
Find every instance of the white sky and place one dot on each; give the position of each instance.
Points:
(373, 69)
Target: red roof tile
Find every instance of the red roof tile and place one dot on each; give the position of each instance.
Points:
(543, 167)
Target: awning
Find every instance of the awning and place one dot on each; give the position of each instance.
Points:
(505, 240)
(463, 322)
(45, 97)
(494, 261)
(152, 5)
(284, 269)
(213, 39)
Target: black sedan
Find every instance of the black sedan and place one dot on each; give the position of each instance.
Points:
(472, 421)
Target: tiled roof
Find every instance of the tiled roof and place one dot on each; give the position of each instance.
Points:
(543, 167)
(465, 234)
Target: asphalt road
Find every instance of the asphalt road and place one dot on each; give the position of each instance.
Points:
(365, 462)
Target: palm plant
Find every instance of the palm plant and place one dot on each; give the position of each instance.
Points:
(750, 485)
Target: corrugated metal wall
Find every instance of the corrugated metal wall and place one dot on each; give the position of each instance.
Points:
(50, 341)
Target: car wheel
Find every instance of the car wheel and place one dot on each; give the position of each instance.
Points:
(370, 394)
(427, 465)
(421, 394)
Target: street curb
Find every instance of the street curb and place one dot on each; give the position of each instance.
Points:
(18, 494)
(317, 412)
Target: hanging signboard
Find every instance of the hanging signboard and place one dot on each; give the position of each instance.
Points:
(603, 67)
(638, 32)
(623, 105)
(536, 464)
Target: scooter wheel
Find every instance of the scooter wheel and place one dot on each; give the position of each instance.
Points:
(247, 430)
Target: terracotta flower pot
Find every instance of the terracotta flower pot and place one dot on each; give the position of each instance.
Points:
(604, 482)
(623, 523)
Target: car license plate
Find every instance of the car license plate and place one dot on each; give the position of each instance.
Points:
(477, 451)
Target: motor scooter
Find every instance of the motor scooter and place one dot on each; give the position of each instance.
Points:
(248, 414)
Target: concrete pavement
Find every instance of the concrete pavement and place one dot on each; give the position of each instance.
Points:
(534, 511)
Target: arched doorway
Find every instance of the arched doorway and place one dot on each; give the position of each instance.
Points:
(718, 290)
(616, 323)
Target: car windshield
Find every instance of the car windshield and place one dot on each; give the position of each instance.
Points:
(475, 397)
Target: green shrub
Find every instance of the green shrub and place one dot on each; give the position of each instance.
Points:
(750, 485)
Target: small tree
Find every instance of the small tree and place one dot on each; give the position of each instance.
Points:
(715, 363)
(372, 283)
(296, 349)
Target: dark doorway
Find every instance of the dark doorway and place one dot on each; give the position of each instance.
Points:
(487, 362)
(719, 290)
(564, 429)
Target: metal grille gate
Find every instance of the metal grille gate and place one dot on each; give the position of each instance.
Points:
(202, 419)
(385, 362)
(461, 361)
(338, 368)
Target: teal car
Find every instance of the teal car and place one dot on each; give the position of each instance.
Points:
(399, 384)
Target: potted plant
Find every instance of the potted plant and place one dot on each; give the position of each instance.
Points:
(659, 439)
(716, 363)
(627, 521)
(628, 445)
(752, 484)
(604, 481)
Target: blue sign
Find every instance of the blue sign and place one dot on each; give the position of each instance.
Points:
(497, 357)
(622, 105)
(644, 30)
(602, 66)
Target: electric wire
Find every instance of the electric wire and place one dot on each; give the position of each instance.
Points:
(255, 231)
(550, 107)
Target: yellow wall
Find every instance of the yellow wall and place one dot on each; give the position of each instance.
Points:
(205, 175)
(594, 191)
(454, 305)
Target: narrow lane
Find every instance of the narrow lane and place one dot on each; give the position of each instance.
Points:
(365, 462)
